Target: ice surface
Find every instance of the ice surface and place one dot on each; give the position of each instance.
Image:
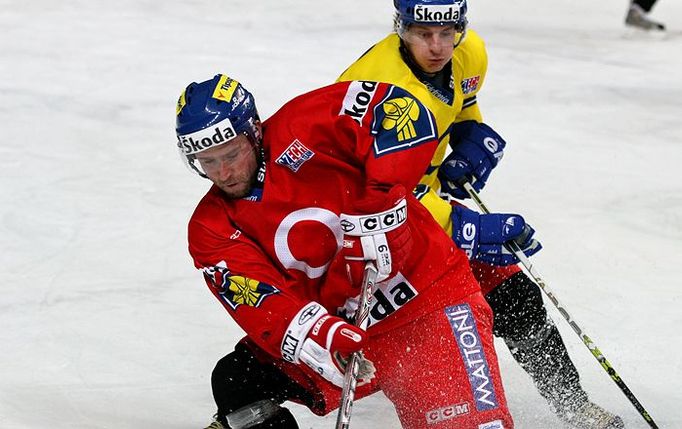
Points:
(105, 322)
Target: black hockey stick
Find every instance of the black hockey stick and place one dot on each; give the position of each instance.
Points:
(353, 367)
(532, 272)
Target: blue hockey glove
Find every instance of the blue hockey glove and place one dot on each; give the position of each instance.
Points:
(482, 236)
(476, 150)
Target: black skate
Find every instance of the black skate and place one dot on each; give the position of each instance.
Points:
(638, 18)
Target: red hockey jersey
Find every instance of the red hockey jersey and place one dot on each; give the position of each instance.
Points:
(269, 254)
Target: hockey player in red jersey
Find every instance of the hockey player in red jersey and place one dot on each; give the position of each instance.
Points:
(296, 207)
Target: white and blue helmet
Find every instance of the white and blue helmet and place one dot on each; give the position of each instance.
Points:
(212, 113)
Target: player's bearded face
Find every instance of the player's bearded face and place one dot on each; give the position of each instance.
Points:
(232, 166)
(431, 46)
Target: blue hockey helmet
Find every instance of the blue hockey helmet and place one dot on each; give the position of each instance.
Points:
(212, 113)
(430, 12)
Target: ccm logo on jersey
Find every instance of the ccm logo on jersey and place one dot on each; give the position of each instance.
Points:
(471, 349)
(294, 156)
(204, 139)
(435, 13)
(446, 413)
(359, 225)
(356, 102)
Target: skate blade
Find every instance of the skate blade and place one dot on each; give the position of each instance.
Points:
(634, 33)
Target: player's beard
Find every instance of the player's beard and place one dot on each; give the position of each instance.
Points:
(239, 187)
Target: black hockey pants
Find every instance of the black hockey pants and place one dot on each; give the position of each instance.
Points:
(645, 4)
(239, 379)
(520, 318)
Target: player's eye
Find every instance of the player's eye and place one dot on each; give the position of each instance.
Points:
(207, 161)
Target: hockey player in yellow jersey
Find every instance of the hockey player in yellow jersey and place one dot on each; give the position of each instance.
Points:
(435, 56)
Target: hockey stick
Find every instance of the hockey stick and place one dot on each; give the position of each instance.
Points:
(533, 273)
(353, 367)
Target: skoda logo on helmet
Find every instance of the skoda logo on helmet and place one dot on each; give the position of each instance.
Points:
(436, 13)
(204, 139)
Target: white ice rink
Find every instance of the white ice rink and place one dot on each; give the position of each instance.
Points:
(104, 323)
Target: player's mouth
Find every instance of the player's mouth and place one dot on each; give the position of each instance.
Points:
(230, 185)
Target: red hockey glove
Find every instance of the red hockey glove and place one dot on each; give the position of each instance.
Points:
(379, 233)
(322, 341)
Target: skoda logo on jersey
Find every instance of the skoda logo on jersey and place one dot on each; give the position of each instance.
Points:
(436, 13)
(207, 138)
(389, 297)
(356, 102)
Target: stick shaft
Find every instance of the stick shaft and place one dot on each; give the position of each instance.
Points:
(351, 376)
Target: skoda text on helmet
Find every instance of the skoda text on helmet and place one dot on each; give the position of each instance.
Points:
(430, 12)
(212, 113)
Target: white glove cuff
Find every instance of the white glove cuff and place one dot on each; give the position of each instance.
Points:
(375, 248)
(298, 329)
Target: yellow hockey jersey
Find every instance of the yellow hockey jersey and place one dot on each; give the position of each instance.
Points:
(383, 62)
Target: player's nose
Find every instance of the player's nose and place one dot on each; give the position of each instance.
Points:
(225, 170)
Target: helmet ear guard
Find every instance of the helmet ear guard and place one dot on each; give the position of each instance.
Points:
(212, 113)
